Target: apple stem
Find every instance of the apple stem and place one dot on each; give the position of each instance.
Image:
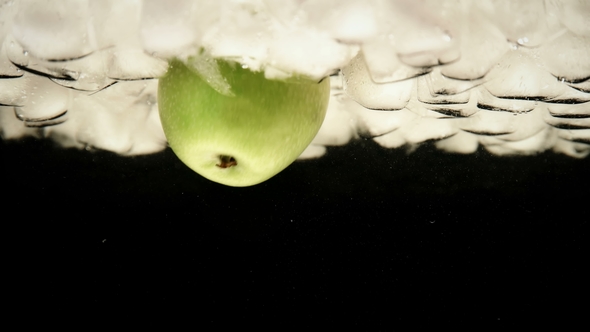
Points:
(226, 162)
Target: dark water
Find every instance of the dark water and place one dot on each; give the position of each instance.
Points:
(364, 236)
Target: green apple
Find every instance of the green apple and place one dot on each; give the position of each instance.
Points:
(245, 131)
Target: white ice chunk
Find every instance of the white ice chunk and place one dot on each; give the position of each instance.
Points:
(44, 101)
(7, 68)
(489, 102)
(13, 91)
(378, 96)
(525, 125)
(312, 151)
(116, 22)
(517, 76)
(8, 10)
(11, 127)
(426, 129)
(422, 36)
(340, 124)
(440, 85)
(353, 21)
(566, 57)
(540, 142)
(54, 29)
(174, 28)
(488, 123)
(574, 14)
(379, 123)
(134, 64)
(462, 142)
(308, 53)
(569, 110)
(242, 35)
(576, 150)
(481, 45)
(568, 122)
(430, 92)
(384, 64)
(122, 118)
(404, 118)
(579, 135)
(348, 21)
(526, 23)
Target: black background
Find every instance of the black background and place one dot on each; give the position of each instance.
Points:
(364, 236)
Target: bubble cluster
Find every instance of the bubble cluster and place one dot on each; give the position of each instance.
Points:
(513, 77)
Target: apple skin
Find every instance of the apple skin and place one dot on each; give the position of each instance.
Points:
(244, 139)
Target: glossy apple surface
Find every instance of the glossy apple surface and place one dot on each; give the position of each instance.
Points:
(243, 138)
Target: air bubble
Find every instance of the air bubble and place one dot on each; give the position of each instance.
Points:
(447, 37)
(522, 41)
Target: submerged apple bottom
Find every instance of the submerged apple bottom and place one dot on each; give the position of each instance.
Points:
(244, 137)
